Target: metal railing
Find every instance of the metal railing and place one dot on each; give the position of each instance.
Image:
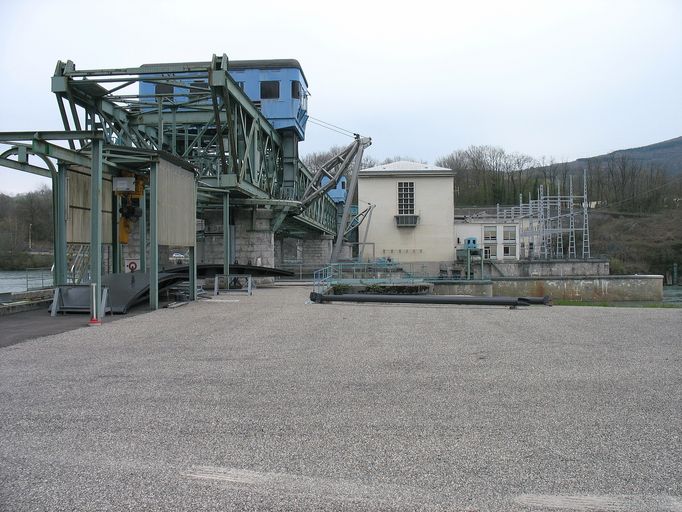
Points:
(300, 271)
(38, 278)
(79, 257)
(376, 272)
(233, 283)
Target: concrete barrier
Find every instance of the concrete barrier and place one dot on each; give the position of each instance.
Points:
(583, 288)
(478, 288)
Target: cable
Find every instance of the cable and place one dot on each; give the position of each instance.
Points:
(332, 125)
(332, 129)
(646, 192)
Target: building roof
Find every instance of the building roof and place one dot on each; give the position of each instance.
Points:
(405, 167)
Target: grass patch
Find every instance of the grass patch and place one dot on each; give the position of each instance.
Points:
(603, 304)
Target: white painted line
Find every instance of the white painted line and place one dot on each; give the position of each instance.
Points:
(591, 503)
(322, 487)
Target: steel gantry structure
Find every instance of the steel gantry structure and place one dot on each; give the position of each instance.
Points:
(198, 113)
(196, 119)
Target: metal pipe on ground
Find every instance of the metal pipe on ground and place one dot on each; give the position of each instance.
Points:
(432, 299)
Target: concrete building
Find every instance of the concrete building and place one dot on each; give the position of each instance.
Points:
(413, 218)
(499, 241)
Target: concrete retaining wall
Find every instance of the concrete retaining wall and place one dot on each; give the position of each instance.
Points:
(476, 288)
(583, 288)
(532, 268)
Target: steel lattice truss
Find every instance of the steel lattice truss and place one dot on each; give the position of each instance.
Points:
(199, 114)
(547, 220)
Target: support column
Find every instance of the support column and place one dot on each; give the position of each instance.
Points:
(226, 233)
(192, 274)
(255, 240)
(317, 251)
(289, 161)
(115, 239)
(154, 238)
(143, 232)
(193, 259)
(351, 195)
(59, 197)
(96, 225)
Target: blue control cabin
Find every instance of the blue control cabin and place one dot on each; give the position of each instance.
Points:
(338, 193)
(277, 87)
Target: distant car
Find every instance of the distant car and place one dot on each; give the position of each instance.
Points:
(179, 258)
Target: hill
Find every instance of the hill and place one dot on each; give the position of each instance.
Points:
(666, 154)
(638, 243)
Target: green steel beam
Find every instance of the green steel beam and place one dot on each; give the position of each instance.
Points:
(59, 204)
(33, 169)
(143, 231)
(63, 154)
(192, 273)
(49, 135)
(226, 234)
(115, 242)
(96, 225)
(154, 238)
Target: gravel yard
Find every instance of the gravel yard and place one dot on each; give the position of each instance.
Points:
(269, 403)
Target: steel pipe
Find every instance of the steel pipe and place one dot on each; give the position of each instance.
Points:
(432, 299)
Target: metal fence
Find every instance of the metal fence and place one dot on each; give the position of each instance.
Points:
(38, 278)
(377, 272)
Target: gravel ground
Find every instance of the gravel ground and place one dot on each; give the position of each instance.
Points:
(269, 403)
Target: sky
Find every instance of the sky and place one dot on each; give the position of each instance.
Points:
(559, 79)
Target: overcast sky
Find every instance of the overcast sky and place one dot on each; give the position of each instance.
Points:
(559, 79)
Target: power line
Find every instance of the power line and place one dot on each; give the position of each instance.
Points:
(646, 192)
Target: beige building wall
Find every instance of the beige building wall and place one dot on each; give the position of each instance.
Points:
(432, 239)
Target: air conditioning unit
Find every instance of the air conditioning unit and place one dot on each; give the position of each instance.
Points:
(406, 221)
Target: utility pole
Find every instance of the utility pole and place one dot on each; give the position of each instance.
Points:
(30, 228)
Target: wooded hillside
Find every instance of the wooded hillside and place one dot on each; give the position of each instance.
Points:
(26, 229)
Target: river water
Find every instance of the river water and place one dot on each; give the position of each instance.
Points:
(22, 280)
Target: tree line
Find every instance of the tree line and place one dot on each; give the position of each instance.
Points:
(26, 228)
(489, 175)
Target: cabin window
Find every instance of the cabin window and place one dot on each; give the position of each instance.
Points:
(163, 89)
(406, 198)
(269, 90)
(296, 90)
(198, 87)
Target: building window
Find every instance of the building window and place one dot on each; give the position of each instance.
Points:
(197, 88)
(269, 90)
(509, 234)
(490, 252)
(296, 90)
(163, 89)
(490, 233)
(510, 251)
(406, 198)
